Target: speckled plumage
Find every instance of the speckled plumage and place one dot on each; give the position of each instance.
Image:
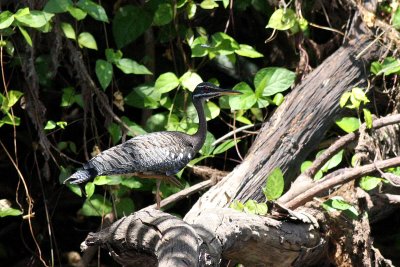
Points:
(159, 153)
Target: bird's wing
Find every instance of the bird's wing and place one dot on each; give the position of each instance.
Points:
(162, 152)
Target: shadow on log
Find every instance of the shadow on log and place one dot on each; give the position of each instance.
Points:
(241, 237)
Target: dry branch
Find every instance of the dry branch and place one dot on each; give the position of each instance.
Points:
(305, 180)
(347, 175)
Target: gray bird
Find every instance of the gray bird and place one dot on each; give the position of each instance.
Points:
(157, 155)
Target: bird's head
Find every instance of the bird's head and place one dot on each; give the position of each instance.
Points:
(207, 90)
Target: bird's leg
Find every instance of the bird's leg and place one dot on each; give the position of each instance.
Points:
(159, 178)
(158, 193)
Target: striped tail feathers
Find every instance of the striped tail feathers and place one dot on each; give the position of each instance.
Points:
(81, 176)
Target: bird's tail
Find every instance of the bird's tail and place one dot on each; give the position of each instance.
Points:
(81, 176)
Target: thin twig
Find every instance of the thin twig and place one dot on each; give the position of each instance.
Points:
(29, 200)
(235, 131)
(183, 194)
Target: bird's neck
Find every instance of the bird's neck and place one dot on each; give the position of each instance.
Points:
(200, 135)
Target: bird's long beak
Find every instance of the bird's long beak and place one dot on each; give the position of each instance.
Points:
(221, 91)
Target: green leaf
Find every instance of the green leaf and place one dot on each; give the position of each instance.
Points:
(367, 118)
(390, 65)
(113, 56)
(108, 180)
(396, 19)
(211, 110)
(129, 23)
(305, 166)
(134, 128)
(89, 189)
(6, 18)
(94, 10)
(257, 113)
(244, 101)
(375, 67)
(35, 19)
(104, 72)
(208, 4)
(68, 30)
(261, 209)
(191, 8)
(50, 125)
(87, 40)
(25, 35)
(338, 203)
(125, 206)
(190, 80)
(208, 147)
(129, 66)
(196, 160)
(132, 183)
(368, 183)
(278, 99)
(225, 3)
(237, 205)
(333, 162)
(72, 147)
(199, 47)
(10, 48)
(10, 120)
(225, 146)
(62, 124)
(64, 174)
(250, 206)
(348, 124)
(272, 80)
(303, 24)
(57, 6)
(143, 96)
(248, 51)
(244, 120)
(282, 19)
(62, 145)
(7, 210)
(77, 13)
(96, 206)
(223, 44)
(360, 95)
(12, 99)
(274, 186)
(163, 15)
(115, 132)
(344, 98)
(157, 122)
(68, 97)
(166, 82)
(22, 12)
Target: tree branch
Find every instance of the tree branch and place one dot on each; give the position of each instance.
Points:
(305, 180)
(333, 180)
